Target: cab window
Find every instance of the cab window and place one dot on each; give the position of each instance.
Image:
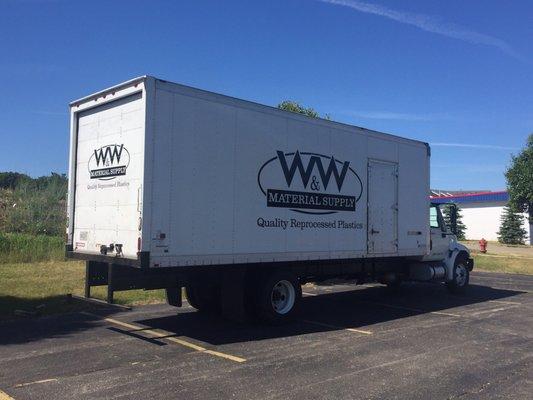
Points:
(433, 217)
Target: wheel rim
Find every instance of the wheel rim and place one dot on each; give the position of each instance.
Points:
(460, 275)
(282, 297)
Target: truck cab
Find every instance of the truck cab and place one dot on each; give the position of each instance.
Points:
(447, 257)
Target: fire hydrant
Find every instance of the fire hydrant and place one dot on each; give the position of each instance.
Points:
(483, 245)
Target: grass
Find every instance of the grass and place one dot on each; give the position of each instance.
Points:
(495, 243)
(43, 286)
(517, 259)
(23, 248)
(514, 265)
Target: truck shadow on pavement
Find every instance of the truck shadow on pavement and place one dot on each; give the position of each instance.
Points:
(356, 309)
(34, 323)
(334, 308)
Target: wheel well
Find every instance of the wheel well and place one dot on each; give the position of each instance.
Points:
(463, 256)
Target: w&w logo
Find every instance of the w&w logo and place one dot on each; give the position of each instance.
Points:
(108, 162)
(108, 154)
(305, 173)
(311, 175)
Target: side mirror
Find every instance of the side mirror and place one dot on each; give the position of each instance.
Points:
(453, 218)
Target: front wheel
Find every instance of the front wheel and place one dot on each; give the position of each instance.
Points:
(278, 298)
(461, 276)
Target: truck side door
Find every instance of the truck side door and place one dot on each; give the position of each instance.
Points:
(439, 239)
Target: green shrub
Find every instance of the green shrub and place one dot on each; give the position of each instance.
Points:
(511, 230)
(33, 206)
(20, 247)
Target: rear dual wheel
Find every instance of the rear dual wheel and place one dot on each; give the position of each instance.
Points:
(395, 285)
(204, 297)
(273, 298)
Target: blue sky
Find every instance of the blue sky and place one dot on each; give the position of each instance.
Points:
(457, 74)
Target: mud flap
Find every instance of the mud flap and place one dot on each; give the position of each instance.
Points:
(174, 296)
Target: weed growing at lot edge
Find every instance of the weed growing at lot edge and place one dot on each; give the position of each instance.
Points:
(21, 247)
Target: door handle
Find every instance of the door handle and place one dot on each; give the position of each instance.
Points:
(373, 232)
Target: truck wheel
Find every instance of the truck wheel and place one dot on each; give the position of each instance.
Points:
(204, 298)
(461, 276)
(279, 298)
(395, 286)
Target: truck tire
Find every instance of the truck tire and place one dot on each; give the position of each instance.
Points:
(278, 298)
(395, 286)
(461, 276)
(204, 298)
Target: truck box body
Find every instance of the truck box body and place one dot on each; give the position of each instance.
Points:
(183, 177)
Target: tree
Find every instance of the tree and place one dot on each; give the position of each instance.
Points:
(520, 182)
(458, 223)
(511, 231)
(10, 180)
(293, 106)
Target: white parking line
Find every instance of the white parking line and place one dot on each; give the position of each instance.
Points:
(337, 327)
(35, 382)
(492, 310)
(505, 302)
(417, 310)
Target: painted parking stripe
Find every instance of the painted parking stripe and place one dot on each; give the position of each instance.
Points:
(409, 308)
(225, 355)
(137, 334)
(417, 310)
(490, 301)
(492, 310)
(5, 396)
(35, 382)
(505, 302)
(159, 333)
(337, 327)
(165, 335)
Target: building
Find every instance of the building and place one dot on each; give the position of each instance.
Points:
(481, 212)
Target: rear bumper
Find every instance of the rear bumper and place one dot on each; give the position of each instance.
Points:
(142, 260)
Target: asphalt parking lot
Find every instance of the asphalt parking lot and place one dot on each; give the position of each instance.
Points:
(349, 342)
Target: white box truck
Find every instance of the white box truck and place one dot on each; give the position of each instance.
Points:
(241, 203)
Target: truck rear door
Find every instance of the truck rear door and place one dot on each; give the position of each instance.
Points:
(109, 168)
